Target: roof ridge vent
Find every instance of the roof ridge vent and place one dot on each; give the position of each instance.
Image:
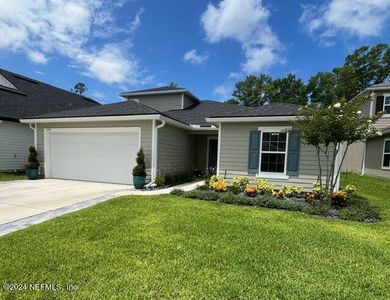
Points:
(6, 83)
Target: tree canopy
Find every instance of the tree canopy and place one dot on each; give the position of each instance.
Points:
(362, 68)
(79, 88)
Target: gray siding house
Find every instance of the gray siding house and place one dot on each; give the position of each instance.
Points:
(22, 97)
(372, 157)
(179, 133)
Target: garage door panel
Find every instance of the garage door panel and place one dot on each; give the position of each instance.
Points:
(95, 156)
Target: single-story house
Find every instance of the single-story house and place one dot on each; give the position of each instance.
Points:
(22, 97)
(372, 157)
(179, 133)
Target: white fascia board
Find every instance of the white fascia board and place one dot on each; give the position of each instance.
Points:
(92, 119)
(184, 91)
(252, 119)
(129, 94)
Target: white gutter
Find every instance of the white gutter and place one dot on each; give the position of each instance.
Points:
(186, 91)
(155, 148)
(252, 119)
(91, 119)
(35, 134)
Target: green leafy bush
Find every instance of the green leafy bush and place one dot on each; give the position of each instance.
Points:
(202, 195)
(160, 181)
(177, 192)
(360, 210)
(290, 190)
(140, 168)
(33, 162)
(239, 184)
(263, 187)
(176, 179)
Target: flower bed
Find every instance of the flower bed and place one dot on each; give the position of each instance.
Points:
(343, 204)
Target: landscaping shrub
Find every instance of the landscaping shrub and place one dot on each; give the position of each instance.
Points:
(263, 187)
(251, 190)
(202, 195)
(357, 210)
(290, 190)
(339, 198)
(177, 192)
(160, 181)
(217, 183)
(176, 179)
(33, 162)
(239, 184)
(360, 210)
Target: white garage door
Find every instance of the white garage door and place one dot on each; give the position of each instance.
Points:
(95, 154)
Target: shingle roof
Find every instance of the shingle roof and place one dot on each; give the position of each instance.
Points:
(382, 85)
(158, 89)
(197, 114)
(125, 108)
(33, 97)
(272, 109)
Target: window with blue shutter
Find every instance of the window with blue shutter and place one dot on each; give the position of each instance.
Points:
(294, 143)
(254, 148)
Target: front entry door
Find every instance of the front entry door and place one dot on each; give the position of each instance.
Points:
(213, 153)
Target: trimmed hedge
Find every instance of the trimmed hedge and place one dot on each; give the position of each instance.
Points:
(359, 209)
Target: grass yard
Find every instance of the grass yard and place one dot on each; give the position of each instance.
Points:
(11, 176)
(169, 247)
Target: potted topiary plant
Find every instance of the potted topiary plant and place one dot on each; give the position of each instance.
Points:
(139, 173)
(32, 165)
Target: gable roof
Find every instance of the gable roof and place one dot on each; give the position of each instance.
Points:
(269, 110)
(125, 108)
(159, 91)
(379, 86)
(197, 114)
(23, 97)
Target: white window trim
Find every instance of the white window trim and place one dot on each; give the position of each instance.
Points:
(274, 175)
(384, 104)
(383, 154)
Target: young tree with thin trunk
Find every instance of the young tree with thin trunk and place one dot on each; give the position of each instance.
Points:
(331, 130)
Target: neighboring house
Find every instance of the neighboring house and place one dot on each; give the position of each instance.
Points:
(373, 156)
(179, 133)
(22, 97)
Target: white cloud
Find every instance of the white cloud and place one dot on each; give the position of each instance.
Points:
(41, 29)
(247, 23)
(194, 58)
(359, 18)
(136, 23)
(224, 91)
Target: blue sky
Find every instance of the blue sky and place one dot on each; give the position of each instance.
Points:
(205, 46)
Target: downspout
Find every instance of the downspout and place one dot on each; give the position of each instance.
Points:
(219, 147)
(155, 148)
(35, 134)
(364, 158)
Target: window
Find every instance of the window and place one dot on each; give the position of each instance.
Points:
(386, 104)
(273, 152)
(386, 154)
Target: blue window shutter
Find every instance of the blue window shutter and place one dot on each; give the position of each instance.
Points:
(254, 148)
(294, 143)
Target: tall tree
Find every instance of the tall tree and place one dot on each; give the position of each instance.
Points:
(321, 88)
(253, 91)
(173, 84)
(362, 68)
(289, 89)
(79, 88)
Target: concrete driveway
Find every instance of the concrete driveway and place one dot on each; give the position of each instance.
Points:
(25, 198)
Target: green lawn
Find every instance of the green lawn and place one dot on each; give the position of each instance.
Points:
(169, 247)
(11, 176)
